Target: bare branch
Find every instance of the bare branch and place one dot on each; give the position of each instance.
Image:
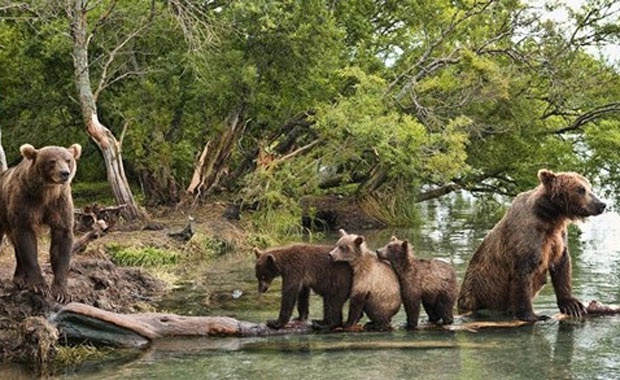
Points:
(196, 24)
(104, 79)
(590, 116)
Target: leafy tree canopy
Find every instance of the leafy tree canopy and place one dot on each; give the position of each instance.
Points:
(365, 97)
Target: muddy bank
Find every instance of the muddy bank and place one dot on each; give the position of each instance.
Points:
(25, 333)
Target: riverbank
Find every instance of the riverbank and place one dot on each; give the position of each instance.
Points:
(26, 336)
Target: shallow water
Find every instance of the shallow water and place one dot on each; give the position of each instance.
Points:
(552, 350)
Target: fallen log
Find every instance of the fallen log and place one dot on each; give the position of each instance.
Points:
(99, 229)
(79, 322)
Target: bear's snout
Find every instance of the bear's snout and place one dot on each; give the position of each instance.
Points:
(380, 254)
(600, 207)
(64, 175)
(263, 286)
(331, 256)
(596, 205)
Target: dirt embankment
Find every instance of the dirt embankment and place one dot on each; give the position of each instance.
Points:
(25, 333)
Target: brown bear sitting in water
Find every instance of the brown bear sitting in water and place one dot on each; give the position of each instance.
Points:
(375, 289)
(35, 193)
(433, 282)
(304, 267)
(510, 267)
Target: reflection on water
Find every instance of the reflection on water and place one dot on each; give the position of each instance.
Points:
(550, 350)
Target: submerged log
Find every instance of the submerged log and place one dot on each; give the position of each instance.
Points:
(79, 322)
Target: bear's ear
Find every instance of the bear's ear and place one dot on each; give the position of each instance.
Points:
(546, 177)
(257, 252)
(342, 232)
(393, 238)
(405, 246)
(76, 150)
(28, 151)
(358, 240)
(271, 259)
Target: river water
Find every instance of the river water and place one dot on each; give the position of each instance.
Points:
(573, 349)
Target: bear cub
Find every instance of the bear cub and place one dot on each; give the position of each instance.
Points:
(375, 290)
(36, 193)
(304, 267)
(432, 282)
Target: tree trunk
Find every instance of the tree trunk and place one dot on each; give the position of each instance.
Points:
(3, 164)
(289, 133)
(102, 136)
(214, 157)
(159, 187)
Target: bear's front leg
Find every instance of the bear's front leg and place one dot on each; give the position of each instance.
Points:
(60, 256)
(19, 278)
(28, 273)
(561, 280)
(412, 309)
(290, 292)
(356, 308)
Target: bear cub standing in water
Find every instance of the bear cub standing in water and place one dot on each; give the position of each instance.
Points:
(375, 289)
(432, 282)
(35, 193)
(304, 267)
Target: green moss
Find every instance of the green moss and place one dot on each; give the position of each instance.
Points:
(216, 246)
(141, 256)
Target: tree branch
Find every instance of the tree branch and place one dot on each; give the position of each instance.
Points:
(590, 116)
(104, 79)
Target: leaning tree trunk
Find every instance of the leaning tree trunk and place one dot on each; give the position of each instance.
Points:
(102, 136)
(214, 157)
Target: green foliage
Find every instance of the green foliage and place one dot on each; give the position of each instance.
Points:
(397, 209)
(213, 246)
(85, 193)
(366, 132)
(141, 256)
(407, 98)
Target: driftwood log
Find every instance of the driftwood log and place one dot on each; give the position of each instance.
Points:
(78, 322)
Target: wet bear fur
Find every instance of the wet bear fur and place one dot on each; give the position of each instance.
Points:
(432, 282)
(510, 266)
(304, 267)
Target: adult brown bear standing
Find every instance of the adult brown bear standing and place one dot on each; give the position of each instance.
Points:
(35, 193)
(510, 267)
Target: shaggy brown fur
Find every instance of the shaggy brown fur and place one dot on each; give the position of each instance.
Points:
(433, 282)
(510, 267)
(304, 267)
(35, 193)
(375, 288)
